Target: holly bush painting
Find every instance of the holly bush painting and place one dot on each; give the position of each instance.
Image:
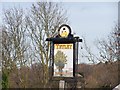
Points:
(60, 61)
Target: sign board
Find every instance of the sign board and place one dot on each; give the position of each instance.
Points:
(63, 54)
(63, 60)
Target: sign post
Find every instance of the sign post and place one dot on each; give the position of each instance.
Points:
(61, 85)
(63, 55)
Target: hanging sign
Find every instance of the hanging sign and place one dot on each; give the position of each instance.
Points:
(63, 60)
(63, 54)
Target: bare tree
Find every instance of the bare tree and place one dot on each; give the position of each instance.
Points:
(13, 41)
(109, 48)
(43, 21)
(6, 60)
(87, 52)
(0, 57)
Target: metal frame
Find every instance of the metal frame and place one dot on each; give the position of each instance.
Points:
(75, 41)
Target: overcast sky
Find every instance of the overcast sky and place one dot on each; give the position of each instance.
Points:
(93, 20)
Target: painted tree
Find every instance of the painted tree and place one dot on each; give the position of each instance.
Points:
(60, 60)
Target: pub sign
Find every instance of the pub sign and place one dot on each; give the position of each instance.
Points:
(63, 53)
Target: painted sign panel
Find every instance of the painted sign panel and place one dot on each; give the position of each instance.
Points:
(63, 60)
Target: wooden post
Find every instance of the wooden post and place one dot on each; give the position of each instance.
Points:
(61, 84)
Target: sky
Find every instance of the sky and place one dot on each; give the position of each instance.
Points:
(92, 20)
